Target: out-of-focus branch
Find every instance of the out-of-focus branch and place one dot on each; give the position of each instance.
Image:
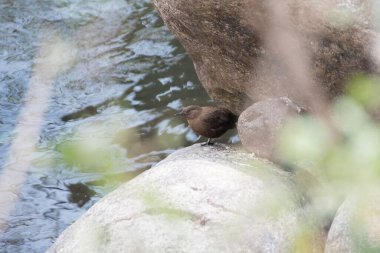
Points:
(283, 41)
(287, 49)
(54, 56)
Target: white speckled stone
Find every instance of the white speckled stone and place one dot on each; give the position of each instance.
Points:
(199, 199)
(356, 226)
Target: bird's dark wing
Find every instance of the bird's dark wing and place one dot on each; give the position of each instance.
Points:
(220, 120)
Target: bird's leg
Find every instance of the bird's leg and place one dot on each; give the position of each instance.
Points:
(208, 143)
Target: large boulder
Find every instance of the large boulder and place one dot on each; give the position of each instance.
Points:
(199, 199)
(259, 125)
(228, 42)
(356, 226)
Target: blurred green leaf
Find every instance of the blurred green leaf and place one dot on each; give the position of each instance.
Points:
(87, 157)
(365, 90)
(304, 139)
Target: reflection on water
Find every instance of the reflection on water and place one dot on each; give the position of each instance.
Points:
(111, 114)
(80, 193)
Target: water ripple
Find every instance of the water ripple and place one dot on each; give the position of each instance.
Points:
(128, 78)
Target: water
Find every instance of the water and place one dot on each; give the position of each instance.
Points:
(127, 78)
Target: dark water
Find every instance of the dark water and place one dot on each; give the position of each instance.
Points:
(128, 78)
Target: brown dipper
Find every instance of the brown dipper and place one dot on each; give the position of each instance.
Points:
(210, 122)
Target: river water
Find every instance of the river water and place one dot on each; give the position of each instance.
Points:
(110, 113)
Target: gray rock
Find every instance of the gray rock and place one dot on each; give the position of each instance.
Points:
(259, 124)
(356, 226)
(226, 40)
(199, 199)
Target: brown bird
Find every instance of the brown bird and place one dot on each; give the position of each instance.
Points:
(210, 122)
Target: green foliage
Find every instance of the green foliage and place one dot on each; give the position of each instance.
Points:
(91, 147)
(91, 157)
(342, 153)
(365, 90)
(351, 155)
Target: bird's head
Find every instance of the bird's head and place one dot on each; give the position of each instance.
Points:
(190, 112)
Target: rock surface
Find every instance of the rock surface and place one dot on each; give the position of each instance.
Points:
(199, 199)
(356, 227)
(259, 124)
(227, 42)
